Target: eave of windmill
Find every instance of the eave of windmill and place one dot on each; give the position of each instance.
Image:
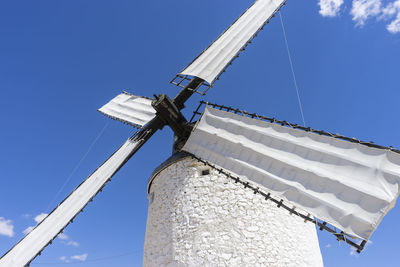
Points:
(165, 107)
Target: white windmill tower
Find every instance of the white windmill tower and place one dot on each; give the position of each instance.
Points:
(241, 189)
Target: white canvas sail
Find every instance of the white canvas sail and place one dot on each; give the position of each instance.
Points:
(130, 109)
(34, 242)
(220, 53)
(349, 185)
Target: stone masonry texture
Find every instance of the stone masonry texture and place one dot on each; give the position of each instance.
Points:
(209, 220)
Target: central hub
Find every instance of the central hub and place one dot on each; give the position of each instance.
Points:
(170, 114)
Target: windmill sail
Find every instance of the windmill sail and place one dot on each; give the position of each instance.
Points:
(210, 64)
(350, 185)
(130, 109)
(43, 234)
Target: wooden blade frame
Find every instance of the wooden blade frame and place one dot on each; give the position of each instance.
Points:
(251, 20)
(129, 109)
(285, 123)
(28, 248)
(18, 255)
(323, 225)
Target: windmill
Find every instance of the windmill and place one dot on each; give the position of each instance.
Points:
(370, 190)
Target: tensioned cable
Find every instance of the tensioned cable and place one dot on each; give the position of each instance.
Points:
(292, 69)
(79, 164)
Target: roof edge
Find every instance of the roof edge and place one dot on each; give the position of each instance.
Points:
(176, 157)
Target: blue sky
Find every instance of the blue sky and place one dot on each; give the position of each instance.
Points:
(62, 60)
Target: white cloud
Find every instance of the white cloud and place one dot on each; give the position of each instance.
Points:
(392, 10)
(353, 252)
(40, 217)
(64, 259)
(394, 26)
(6, 227)
(82, 257)
(28, 230)
(64, 239)
(330, 8)
(37, 219)
(364, 9)
(62, 236)
(73, 243)
(328, 245)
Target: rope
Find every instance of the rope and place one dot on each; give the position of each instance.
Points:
(78, 165)
(292, 69)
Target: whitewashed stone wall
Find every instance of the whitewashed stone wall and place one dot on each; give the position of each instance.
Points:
(196, 220)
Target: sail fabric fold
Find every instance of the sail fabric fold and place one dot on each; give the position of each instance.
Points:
(34, 242)
(349, 185)
(219, 54)
(130, 109)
